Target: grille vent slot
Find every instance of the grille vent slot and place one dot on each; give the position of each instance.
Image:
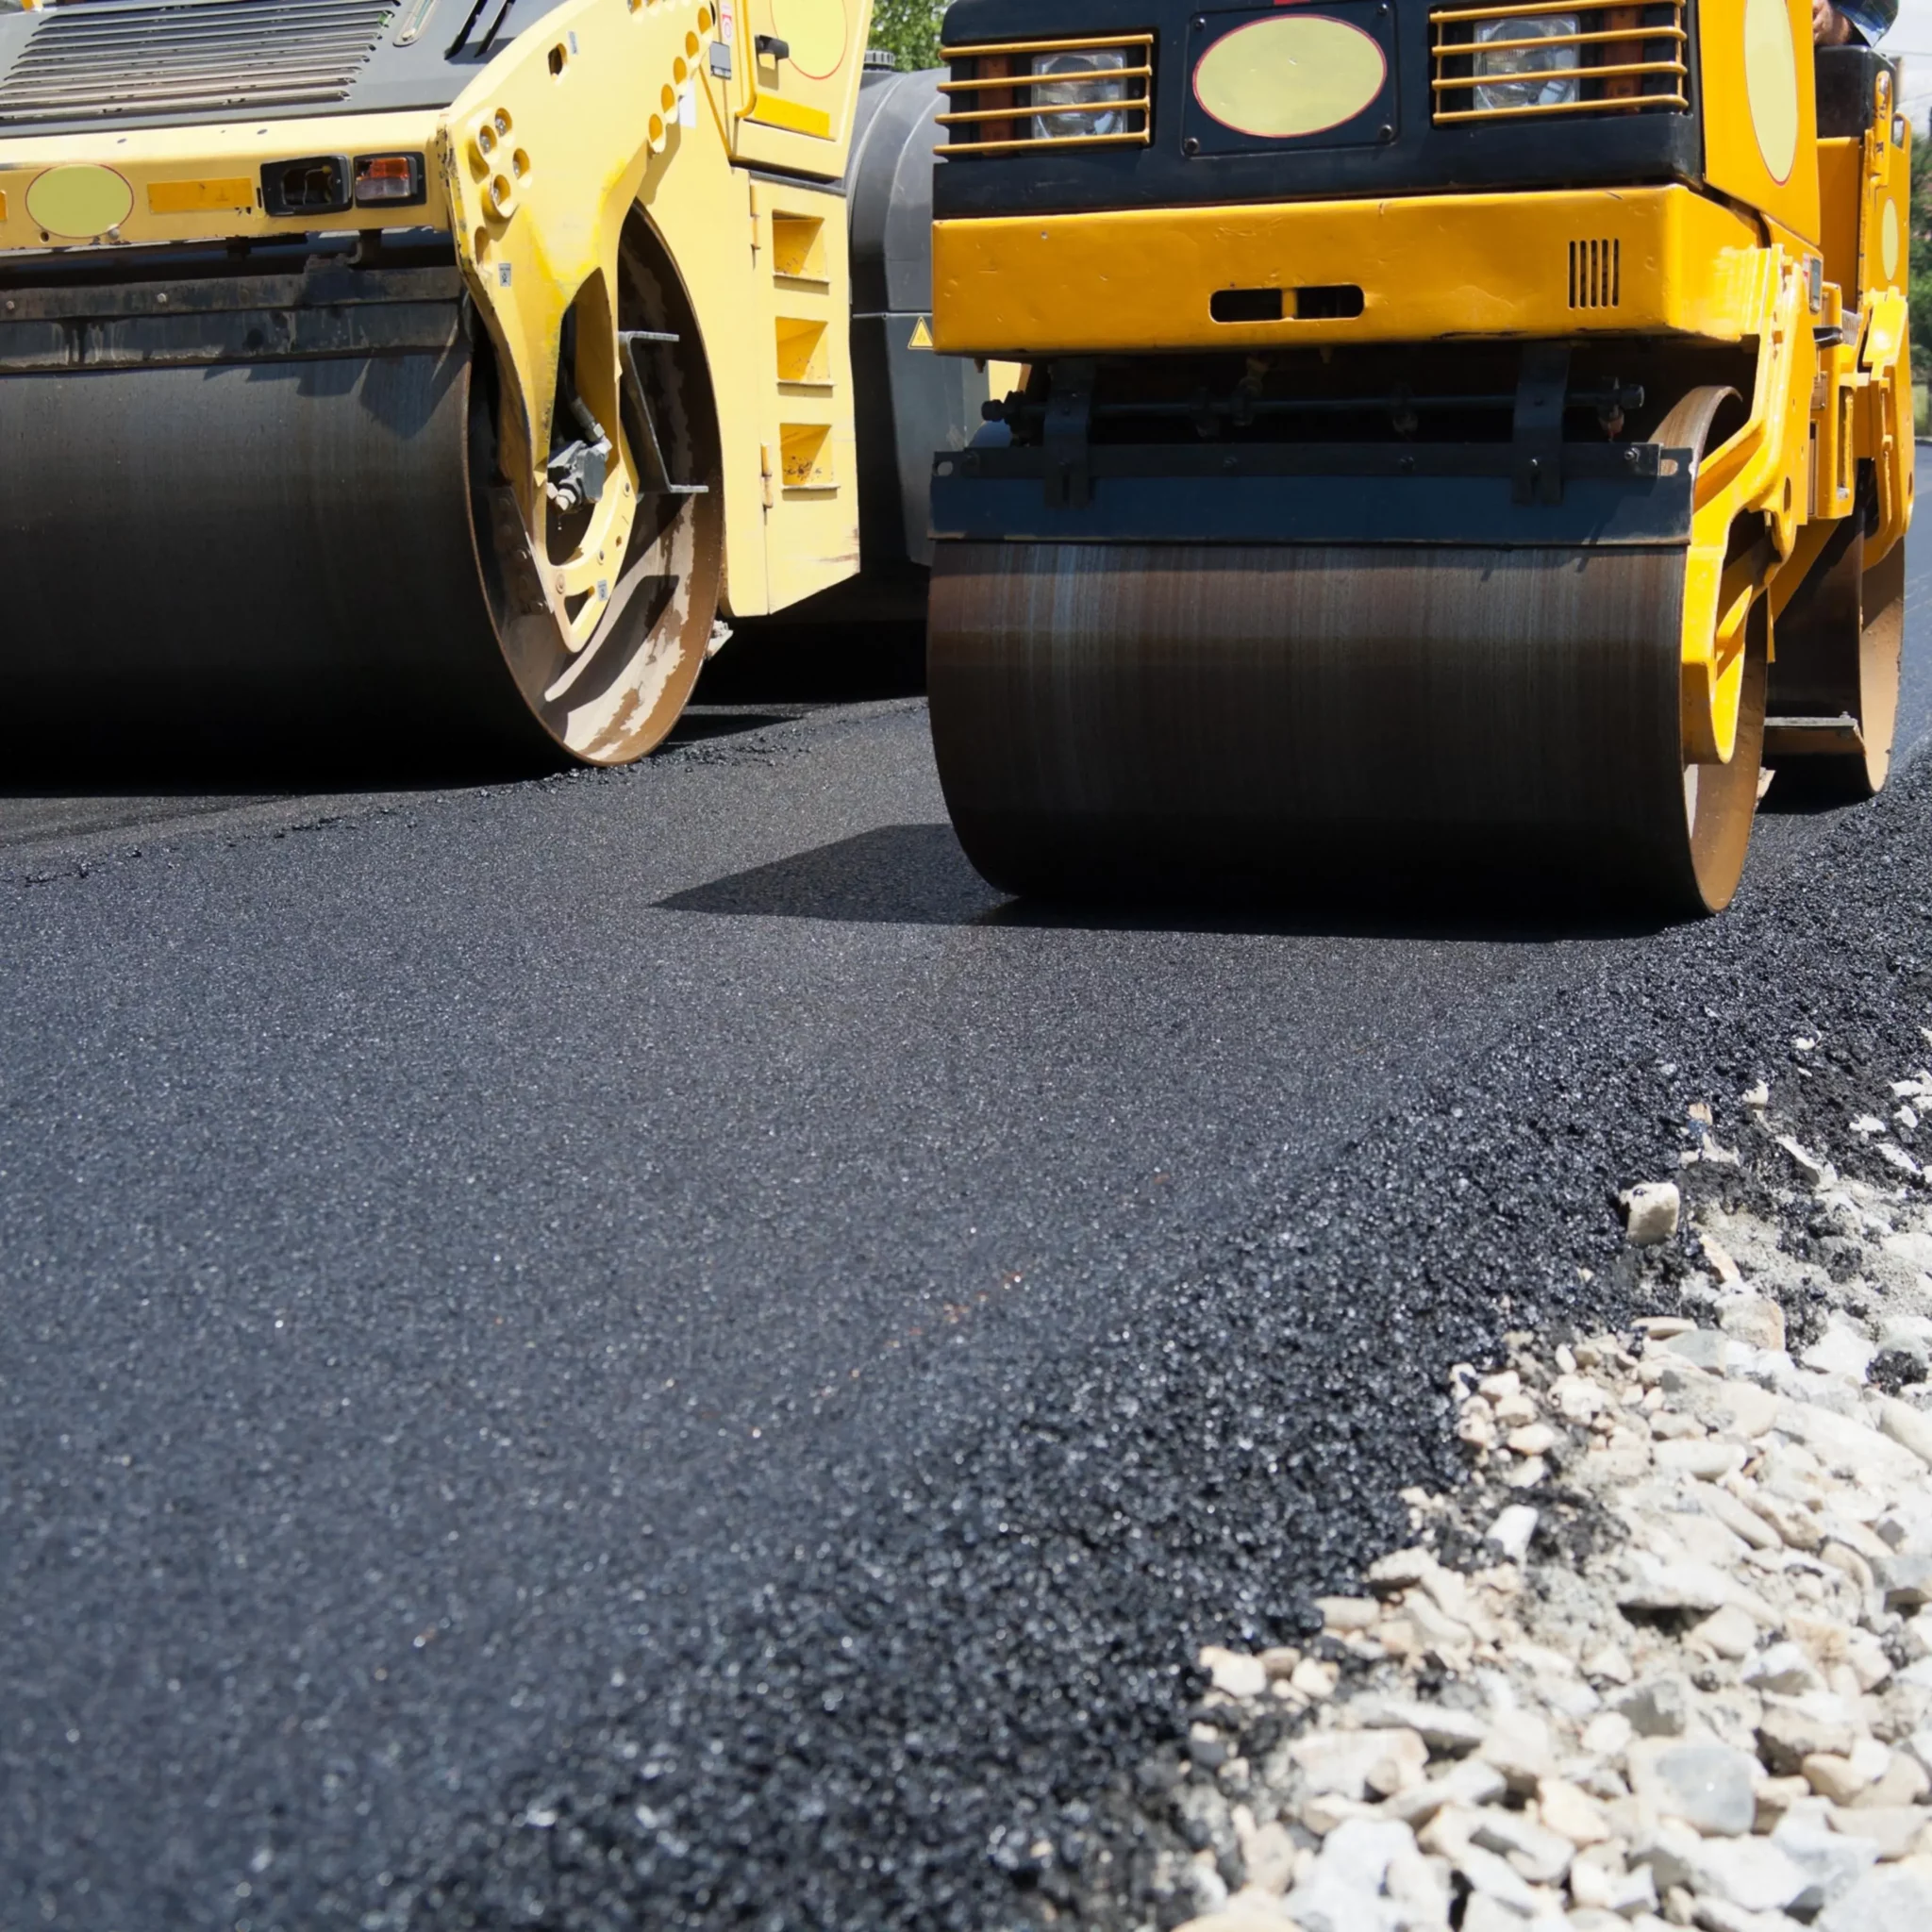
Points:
(1596, 275)
(103, 61)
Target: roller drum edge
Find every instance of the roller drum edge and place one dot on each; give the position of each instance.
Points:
(1116, 719)
(250, 555)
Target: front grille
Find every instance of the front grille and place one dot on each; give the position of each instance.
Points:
(1093, 94)
(98, 62)
(1586, 56)
(1596, 273)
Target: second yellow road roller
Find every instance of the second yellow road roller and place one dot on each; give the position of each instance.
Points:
(1455, 434)
(442, 373)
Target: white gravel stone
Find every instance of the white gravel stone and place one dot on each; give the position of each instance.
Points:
(1814, 1172)
(1315, 1679)
(1727, 1633)
(1323, 1903)
(1657, 1707)
(1832, 1864)
(1783, 1668)
(1707, 1457)
(1234, 1672)
(1895, 1829)
(1343, 1762)
(1513, 1529)
(1445, 1730)
(1342, 1614)
(1750, 1873)
(1267, 1852)
(1518, 1745)
(1701, 1348)
(1653, 1586)
(1739, 1518)
(1842, 1350)
(1882, 1901)
(1842, 1443)
(1753, 1320)
(1909, 1426)
(1485, 1913)
(1709, 1786)
(1600, 1879)
(1568, 1808)
(1792, 1730)
(1469, 1784)
(1490, 1872)
(1540, 1854)
(1652, 1210)
(1608, 1734)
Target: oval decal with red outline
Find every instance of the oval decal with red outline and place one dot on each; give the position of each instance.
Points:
(1278, 79)
(816, 31)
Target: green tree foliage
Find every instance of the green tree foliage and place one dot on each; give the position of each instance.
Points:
(911, 29)
(1918, 290)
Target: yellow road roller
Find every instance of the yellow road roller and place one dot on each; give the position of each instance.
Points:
(1456, 434)
(440, 373)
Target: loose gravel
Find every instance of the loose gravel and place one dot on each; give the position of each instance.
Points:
(980, 1707)
(1666, 1658)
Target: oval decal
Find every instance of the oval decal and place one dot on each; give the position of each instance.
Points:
(1770, 84)
(816, 31)
(1275, 80)
(80, 202)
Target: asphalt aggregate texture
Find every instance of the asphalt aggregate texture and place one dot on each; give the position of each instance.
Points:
(641, 1349)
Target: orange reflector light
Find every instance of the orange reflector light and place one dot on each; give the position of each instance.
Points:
(200, 197)
(388, 179)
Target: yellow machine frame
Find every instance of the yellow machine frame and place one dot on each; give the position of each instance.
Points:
(523, 172)
(1814, 280)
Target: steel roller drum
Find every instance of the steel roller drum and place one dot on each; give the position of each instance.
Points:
(1111, 719)
(249, 557)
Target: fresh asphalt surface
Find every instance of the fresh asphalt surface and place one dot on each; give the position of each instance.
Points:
(518, 1301)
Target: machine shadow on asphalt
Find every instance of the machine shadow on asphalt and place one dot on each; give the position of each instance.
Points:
(916, 875)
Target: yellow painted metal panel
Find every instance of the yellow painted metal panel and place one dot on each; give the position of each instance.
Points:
(800, 117)
(149, 157)
(1759, 111)
(801, 389)
(1841, 174)
(1428, 266)
(794, 111)
(233, 192)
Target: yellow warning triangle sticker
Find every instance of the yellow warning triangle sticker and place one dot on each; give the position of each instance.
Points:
(921, 336)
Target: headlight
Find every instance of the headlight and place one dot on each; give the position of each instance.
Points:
(1510, 77)
(1077, 84)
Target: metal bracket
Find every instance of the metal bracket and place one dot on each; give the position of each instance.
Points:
(577, 472)
(653, 480)
(1065, 433)
(1542, 388)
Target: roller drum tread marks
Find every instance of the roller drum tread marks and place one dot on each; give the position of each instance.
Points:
(248, 555)
(1119, 719)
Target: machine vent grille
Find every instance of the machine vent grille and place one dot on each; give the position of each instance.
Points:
(1035, 94)
(1596, 273)
(100, 61)
(1500, 63)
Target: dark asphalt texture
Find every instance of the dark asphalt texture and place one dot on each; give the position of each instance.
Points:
(637, 1349)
